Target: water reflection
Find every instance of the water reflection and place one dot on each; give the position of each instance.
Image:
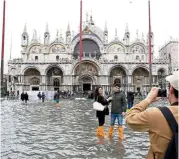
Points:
(44, 131)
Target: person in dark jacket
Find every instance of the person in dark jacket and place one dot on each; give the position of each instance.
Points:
(43, 97)
(26, 97)
(130, 99)
(39, 96)
(22, 96)
(101, 114)
(118, 110)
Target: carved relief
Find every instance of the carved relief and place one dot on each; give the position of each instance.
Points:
(57, 49)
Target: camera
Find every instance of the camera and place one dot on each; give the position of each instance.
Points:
(162, 93)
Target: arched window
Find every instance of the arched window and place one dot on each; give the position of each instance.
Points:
(56, 82)
(57, 58)
(36, 58)
(115, 57)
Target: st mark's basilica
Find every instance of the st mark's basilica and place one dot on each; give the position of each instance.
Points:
(54, 63)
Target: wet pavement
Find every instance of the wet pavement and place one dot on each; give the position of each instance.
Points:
(43, 131)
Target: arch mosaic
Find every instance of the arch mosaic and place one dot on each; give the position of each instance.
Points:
(57, 48)
(35, 49)
(86, 68)
(137, 48)
(32, 76)
(54, 75)
(140, 78)
(116, 48)
(118, 75)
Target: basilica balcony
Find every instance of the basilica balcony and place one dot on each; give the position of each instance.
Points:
(94, 55)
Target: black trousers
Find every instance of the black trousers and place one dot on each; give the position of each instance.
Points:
(101, 120)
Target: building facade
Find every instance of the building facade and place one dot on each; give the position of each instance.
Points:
(54, 65)
(170, 52)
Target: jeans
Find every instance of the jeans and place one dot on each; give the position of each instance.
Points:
(119, 118)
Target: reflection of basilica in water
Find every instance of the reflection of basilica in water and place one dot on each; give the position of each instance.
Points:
(53, 65)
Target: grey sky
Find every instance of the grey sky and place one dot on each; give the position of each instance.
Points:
(58, 13)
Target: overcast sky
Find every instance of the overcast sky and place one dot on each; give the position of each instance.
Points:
(58, 13)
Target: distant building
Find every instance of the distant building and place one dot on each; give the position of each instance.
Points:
(54, 65)
(3, 87)
(170, 52)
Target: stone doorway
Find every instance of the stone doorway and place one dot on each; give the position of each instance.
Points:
(86, 87)
(35, 88)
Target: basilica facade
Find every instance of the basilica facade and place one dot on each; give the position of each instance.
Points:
(54, 64)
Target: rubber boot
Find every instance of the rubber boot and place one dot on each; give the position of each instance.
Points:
(97, 131)
(110, 131)
(101, 131)
(120, 132)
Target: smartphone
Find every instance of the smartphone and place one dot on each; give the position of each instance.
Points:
(162, 93)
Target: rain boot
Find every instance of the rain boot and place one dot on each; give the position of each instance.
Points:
(120, 132)
(101, 131)
(97, 131)
(110, 131)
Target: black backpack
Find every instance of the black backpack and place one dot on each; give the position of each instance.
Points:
(172, 149)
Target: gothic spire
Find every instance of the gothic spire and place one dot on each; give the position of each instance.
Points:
(25, 28)
(105, 28)
(34, 37)
(87, 18)
(46, 30)
(68, 28)
(127, 29)
(116, 37)
(91, 20)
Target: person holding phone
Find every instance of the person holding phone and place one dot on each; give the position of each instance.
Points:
(152, 120)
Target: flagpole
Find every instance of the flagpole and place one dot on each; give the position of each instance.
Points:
(80, 30)
(2, 49)
(150, 51)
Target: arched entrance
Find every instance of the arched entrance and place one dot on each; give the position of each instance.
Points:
(85, 76)
(86, 82)
(32, 79)
(54, 78)
(140, 79)
(118, 75)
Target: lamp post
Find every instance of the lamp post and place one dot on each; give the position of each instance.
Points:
(150, 51)
(2, 49)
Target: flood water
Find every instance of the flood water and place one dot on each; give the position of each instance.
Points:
(43, 131)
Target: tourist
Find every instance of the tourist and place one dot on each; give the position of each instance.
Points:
(39, 96)
(43, 97)
(151, 120)
(57, 98)
(118, 110)
(26, 97)
(130, 99)
(22, 96)
(101, 114)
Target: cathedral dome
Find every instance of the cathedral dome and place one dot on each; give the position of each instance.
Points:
(96, 30)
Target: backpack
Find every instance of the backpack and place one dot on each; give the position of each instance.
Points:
(172, 149)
